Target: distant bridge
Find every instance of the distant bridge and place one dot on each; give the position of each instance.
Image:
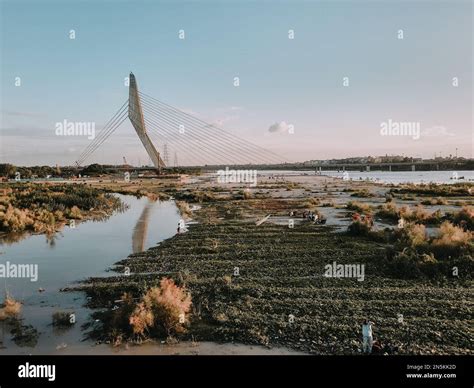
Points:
(395, 166)
(427, 165)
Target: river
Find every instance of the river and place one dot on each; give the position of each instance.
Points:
(389, 177)
(77, 253)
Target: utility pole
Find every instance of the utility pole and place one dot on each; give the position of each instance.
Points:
(175, 159)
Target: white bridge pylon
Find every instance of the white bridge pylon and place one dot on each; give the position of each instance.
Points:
(204, 143)
(135, 114)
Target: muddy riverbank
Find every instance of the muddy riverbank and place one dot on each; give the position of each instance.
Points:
(264, 284)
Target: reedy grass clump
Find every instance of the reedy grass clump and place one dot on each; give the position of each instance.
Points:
(359, 207)
(160, 311)
(11, 308)
(418, 213)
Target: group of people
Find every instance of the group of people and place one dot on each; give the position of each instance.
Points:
(309, 215)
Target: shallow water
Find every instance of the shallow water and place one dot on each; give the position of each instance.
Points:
(78, 253)
(396, 177)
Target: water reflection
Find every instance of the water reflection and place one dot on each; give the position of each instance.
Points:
(141, 229)
(21, 334)
(74, 254)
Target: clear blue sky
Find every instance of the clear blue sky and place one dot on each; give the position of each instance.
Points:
(295, 81)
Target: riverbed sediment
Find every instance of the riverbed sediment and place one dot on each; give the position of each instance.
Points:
(264, 284)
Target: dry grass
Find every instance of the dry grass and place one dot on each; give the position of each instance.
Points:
(141, 319)
(364, 193)
(15, 220)
(184, 209)
(165, 307)
(246, 194)
(389, 210)
(328, 204)
(75, 213)
(451, 235)
(417, 214)
(361, 225)
(11, 308)
(415, 234)
(434, 201)
(359, 207)
(465, 218)
(311, 202)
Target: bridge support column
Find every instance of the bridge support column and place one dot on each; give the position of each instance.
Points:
(135, 114)
(390, 168)
(367, 168)
(413, 167)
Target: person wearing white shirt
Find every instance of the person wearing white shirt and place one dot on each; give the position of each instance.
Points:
(367, 338)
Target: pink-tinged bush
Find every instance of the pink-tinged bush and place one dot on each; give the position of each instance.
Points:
(162, 308)
(465, 218)
(141, 319)
(361, 225)
(450, 235)
(415, 235)
(11, 308)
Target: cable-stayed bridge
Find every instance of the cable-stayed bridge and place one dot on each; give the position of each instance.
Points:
(197, 142)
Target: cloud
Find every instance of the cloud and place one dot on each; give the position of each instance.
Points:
(281, 127)
(437, 130)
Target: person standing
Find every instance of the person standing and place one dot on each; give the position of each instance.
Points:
(367, 338)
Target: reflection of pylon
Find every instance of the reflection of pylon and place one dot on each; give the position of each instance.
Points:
(165, 154)
(175, 159)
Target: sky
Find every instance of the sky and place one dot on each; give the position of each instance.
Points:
(406, 62)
